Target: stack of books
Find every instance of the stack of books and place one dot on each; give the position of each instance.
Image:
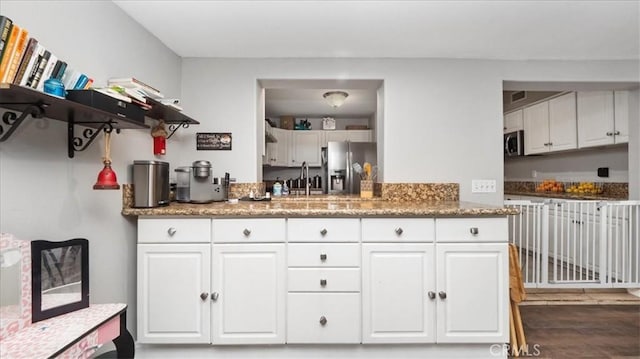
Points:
(137, 90)
(26, 62)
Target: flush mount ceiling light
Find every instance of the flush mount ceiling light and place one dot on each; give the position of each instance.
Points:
(335, 98)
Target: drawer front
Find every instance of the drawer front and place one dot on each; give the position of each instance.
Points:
(341, 313)
(174, 230)
(253, 230)
(324, 280)
(324, 255)
(323, 230)
(398, 230)
(472, 230)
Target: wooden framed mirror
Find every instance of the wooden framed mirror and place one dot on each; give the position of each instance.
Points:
(60, 277)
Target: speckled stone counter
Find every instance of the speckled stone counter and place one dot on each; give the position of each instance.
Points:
(564, 195)
(326, 208)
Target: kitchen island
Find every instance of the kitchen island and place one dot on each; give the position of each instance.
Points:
(343, 276)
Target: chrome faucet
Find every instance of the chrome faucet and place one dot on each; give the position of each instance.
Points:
(304, 175)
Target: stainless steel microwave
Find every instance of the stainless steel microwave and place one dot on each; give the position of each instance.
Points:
(514, 144)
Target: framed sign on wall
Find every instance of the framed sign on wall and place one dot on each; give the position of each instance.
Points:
(212, 141)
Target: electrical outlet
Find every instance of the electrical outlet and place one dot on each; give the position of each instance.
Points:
(483, 186)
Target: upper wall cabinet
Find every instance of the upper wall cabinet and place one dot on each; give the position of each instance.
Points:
(603, 118)
(513, 121)
(551, 125)
(305, 147)
(347, 135)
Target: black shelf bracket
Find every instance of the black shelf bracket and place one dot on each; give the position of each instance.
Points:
(79, 144)
(175, 126)
(10, 118)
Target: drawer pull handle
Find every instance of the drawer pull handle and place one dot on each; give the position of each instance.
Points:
(323, 232)
(323, 320)
(442, 295)
(399, 231)
(323, 257)
(246, 232)
(214, 296)
(171, 231)
(323, 282)
(431, 294)
(474, 230)
(204, 295)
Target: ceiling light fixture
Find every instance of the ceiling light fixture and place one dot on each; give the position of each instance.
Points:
(335, 99)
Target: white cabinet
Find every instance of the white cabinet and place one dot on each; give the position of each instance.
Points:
(513, 121)
(305, 147)
(323, 281)
(347, 135)
(551, 125)
(248, 294)
(602, 118)
(278, 152)
(173, 293)
(396, 281)
(173, 274)
(472, 293)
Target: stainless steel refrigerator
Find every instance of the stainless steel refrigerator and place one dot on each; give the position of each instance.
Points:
(337, 165)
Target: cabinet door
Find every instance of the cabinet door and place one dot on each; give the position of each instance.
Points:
(305, 147)
(595, 118)
(513, 121)
(621, 116)
(248, 294)
(171, 280)
(280, 149)
(396, 280)
(562, 123)
(336, 136)
(359, 135)
(536, 128)
(473, 293)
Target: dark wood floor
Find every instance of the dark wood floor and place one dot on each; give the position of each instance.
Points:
(582, 331)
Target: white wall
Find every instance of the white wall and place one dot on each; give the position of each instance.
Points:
(579, 165)
(442, 117)
(46, 195)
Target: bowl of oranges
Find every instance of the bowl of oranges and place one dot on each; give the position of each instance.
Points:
(550, 185)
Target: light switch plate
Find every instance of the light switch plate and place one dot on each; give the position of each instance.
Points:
(483, 186)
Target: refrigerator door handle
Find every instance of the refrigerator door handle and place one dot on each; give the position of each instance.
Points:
(347, 185)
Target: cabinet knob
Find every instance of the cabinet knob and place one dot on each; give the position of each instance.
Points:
(323, 282)
(431, 294)
(399, 231)
(323, 257)
(246, 232)
(323, 320)
(214, 296)
(474, 230)
(323, 232)
(609, 133)
(442, 295)
(171, 231)
(617, 133)
(204, 295)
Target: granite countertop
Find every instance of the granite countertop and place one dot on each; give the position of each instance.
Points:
(564, 195)
(345, 207)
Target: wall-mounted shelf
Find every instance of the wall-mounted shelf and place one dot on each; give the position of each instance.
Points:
(170, 115)
(38, 104)
(29, 102)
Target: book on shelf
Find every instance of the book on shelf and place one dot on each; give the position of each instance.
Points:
(27, 60)
(58, 75)
(5, 29)
(32, 66)
(113, 93)
(70, 78)
(46, 73)
(39, 69)
(8, 51)
(131, 82)
(82, 82)
(18, 51)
